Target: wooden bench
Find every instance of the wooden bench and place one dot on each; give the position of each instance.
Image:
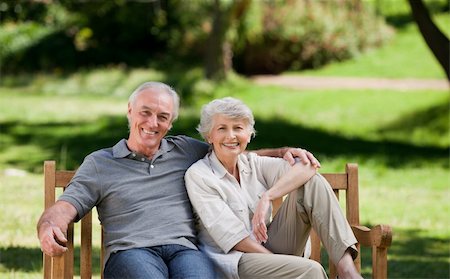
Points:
(378, 238)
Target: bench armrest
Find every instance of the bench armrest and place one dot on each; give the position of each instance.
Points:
(379, 236)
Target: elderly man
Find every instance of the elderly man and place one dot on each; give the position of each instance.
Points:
(138, 189)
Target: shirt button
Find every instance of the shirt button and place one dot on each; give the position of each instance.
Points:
(152, 166)
(133, 155)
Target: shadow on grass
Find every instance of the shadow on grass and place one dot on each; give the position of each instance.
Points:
(401, 20)
(434, 119)
(394, 154)
(70, 142)
(27, 259)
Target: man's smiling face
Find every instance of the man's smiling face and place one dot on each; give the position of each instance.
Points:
(150, 118)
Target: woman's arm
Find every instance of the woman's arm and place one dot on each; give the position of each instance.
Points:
(289, 154)
(296, 177)
(248, 245)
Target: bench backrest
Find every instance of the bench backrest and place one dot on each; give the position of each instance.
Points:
(63, 267)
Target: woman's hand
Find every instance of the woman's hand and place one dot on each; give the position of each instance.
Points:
(302, 155)
(259, 219)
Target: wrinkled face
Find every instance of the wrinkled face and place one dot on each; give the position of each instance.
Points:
(229, 136)
(150, 118)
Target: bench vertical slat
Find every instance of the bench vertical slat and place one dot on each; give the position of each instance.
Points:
(315, 246)
(68, 268)
(49, 200)
(379, 265)
(331, 266)
(102, 253)
(353, 204)
(58, 267)
(86, 246)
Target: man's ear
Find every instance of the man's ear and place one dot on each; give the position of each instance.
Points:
(129, 108)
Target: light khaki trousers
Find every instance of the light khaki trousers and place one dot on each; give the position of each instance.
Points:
(312, 205)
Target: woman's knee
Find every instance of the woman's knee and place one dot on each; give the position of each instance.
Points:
(316, 270)
(318, 185)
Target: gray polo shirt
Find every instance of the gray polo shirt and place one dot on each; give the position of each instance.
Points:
(140, 202)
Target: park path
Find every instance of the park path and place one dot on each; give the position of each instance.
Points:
(310, 82)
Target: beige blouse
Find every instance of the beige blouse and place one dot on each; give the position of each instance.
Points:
(224, 208)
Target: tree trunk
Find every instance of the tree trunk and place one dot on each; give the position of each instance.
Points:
(435, 39)
(214, 67)
(219, 52)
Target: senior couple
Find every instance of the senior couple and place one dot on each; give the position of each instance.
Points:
(143, 188)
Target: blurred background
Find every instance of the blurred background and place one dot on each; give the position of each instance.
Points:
(362, 81)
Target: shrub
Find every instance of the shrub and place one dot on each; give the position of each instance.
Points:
(302, 34)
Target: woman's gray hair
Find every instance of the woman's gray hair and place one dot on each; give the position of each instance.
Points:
(160, 87)
(228, 106)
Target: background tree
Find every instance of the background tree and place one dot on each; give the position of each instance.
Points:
(219, 52)
(438, 43)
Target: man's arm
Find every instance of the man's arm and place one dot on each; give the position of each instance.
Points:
(289, 154)
(52, 227)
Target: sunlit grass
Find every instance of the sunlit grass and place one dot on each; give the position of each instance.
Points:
(390, 60)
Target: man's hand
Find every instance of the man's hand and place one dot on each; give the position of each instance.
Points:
(52, 239)
(52, 227)
(292, 155)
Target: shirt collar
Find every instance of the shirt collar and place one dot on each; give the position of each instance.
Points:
(219, 170)
(121, 150)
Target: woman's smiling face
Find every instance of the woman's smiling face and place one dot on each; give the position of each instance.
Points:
(229, 136)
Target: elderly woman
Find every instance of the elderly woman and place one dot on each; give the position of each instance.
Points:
(231, 191)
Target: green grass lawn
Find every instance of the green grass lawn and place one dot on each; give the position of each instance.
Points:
(403, 160)
(399, 139)
(391, 61)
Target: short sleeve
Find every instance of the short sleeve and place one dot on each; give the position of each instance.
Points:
(84, 189)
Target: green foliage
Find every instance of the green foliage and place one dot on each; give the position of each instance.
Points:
(272, 36)
(83, 34)
(15, 39)
(305, 34)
